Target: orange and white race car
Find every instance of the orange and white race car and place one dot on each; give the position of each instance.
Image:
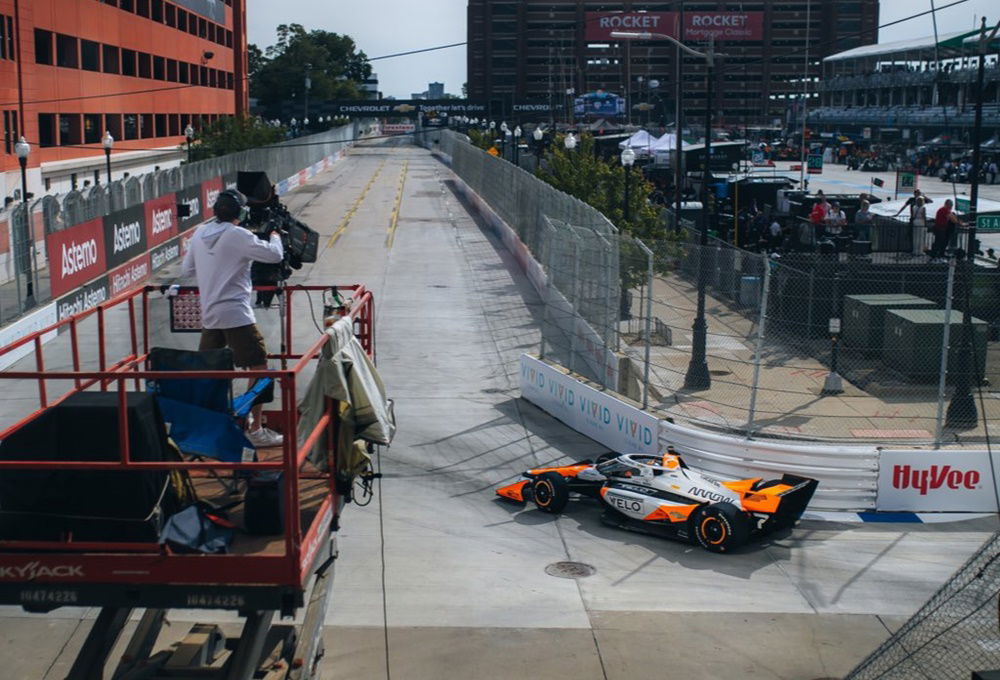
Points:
(661, 495)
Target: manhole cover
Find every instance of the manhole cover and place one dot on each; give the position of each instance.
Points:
(570, 570)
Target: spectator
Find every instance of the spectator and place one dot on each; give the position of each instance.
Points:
(863, 222)
(836, 220)
(945, 223)
(918, 222)
(991, 173)
(774, 236)
(911, 204)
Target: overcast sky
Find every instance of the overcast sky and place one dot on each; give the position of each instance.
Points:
(382, 27)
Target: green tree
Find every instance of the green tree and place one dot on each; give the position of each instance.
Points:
(601, 184)
(335, 66)
(231, 134)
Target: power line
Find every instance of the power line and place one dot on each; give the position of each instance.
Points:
(720, 70)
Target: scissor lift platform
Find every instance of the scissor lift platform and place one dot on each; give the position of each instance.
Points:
(263, 578)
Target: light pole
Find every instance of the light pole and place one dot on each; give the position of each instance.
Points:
(308, 83)
(569, 142)
(517, 143)
(538, 136)
(628, 160)
(107, 143)
(697, 376)
(504, 131)
(962, 412)
(189, 134)
(22, 149)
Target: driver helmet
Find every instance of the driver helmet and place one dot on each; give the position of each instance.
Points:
(671, 460)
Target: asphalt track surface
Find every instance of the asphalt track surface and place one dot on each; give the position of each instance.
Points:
(443, 580)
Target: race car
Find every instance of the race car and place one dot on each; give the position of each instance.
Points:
(661, 495)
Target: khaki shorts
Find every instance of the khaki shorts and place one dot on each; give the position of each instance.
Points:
(245, 341)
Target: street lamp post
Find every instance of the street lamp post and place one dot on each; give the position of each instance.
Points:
(22, 149)
(962, 412)
(569, 142)
(107, 143)
(697, 376)
(628, 160)
(517, 144)
(189, 134)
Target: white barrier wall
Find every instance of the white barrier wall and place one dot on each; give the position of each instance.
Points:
(936, 481)
(34, 321)
(847, 475)
(598, 415)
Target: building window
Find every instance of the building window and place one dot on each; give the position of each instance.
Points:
(10, 134)
(128, 62)
(182, 20)
(90, 55)
(67, 51)
(70, 132)
(145, 65)
(172, 70)
(170, 16)
(127, 5)
(6, 37)
(157, 11)
(91, 128)
(46, 129)
(146, 130)
(43, 47)
(142, 8)
(182, 72)
(111, 59)
(131, 126)
(159, 70)
(161, 125)
(113, 124)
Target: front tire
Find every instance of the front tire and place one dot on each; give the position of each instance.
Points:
(721, 527)
(550, 492)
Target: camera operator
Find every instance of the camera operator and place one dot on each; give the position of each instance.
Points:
(219, 256)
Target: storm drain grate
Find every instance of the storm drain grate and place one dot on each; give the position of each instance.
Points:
(570, 570)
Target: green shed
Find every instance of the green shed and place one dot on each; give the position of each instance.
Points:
(913, 337)
(864, 318)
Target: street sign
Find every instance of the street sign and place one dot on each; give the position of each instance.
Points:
(757, 157)
(906, 180)
(963, 205)
(815, 164)
(988, 223)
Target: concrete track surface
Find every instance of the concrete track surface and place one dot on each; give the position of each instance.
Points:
(439, 579)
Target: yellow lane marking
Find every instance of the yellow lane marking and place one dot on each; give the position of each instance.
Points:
(349, 215)
(394, 220)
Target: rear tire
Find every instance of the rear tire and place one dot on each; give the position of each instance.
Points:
(721, 527)
(550, 492)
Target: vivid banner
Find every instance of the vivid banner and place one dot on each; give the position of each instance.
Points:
(698, 26)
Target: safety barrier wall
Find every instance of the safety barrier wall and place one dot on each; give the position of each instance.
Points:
(92, 246)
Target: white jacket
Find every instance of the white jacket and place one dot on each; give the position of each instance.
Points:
(219, 255)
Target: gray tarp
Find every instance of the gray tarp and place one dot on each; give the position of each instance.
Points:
(346, 374)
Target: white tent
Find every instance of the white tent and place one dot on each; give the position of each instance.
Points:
(667, 142)
(641, 142)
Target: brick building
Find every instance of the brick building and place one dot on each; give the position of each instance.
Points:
(522, 50)
(142, 69)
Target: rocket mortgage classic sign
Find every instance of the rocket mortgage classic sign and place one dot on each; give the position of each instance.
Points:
(698, 26)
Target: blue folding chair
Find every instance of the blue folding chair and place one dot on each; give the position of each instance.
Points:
(202, 417)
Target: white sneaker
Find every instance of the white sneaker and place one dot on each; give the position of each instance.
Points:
(264, 438)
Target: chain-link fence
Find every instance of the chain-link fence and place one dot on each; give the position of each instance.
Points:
(825, 346)
(24, 271)
(841, 345)
(953, 635)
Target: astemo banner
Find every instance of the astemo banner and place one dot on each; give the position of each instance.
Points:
(600, 416)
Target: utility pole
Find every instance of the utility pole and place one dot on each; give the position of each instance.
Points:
(962, 412)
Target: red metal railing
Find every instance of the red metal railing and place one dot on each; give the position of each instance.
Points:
(108, 562)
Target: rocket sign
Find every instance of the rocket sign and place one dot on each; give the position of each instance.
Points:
(698, 26)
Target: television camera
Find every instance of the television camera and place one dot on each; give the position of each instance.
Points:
(267, 214)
